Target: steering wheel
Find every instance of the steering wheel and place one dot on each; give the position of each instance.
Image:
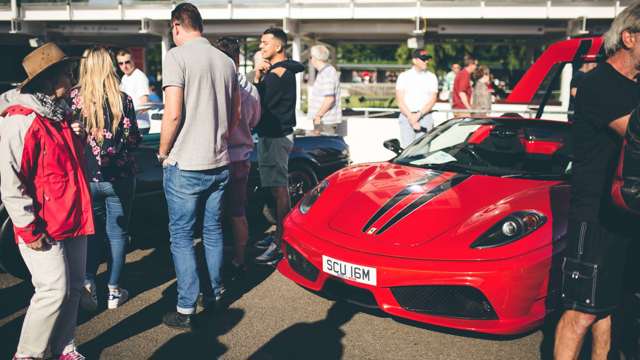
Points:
(473, 156)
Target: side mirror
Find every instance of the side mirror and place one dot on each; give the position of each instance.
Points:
(393, 145)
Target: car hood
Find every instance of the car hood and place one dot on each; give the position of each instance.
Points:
(400, 211)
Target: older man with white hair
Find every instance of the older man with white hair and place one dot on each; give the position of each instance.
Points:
(598, 232)
(324, 98)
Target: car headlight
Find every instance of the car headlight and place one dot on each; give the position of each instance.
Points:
(510, 229)
(310, 198)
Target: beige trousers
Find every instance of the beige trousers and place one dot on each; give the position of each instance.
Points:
(57, 274)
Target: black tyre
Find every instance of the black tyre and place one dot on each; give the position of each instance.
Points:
(261, 210)
(10, 258)
(302, 178)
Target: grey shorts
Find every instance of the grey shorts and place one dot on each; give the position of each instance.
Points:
(273, 160)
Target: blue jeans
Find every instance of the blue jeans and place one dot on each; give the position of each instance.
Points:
(111, 212)
(407, 135)
(191, 194)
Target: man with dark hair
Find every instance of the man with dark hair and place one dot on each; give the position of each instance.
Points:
(188, 16)
(598, 232)
(240, 147)
(276, 82)
(462, 90)
(201, 108)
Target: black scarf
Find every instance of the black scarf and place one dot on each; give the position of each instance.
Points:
(54, 110)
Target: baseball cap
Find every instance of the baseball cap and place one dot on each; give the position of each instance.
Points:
(421, 54)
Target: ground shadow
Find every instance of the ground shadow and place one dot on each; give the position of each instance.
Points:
(203, 342)
(147, 273)
(14, 298)
(317, 340)
(146, 318)
(9, 336)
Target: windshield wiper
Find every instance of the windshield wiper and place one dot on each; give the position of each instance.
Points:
(533, 176)
(450, 167)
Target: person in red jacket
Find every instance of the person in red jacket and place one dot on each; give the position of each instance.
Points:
(46, 194)
(462, 88)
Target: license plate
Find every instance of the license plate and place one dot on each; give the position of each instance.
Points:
(345, 270)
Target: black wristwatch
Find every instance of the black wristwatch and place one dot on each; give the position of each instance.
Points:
(161, 158)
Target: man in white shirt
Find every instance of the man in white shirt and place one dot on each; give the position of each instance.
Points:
(324, 99)
(135, 84)
(416, 91)
(134, 81)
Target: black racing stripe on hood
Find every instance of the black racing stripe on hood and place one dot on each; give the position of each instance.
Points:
(455, 180)
(399, 197)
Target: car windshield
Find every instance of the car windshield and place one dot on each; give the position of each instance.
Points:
(506, 147)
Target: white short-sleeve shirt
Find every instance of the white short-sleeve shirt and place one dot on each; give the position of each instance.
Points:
(418, 87)
(135, 85)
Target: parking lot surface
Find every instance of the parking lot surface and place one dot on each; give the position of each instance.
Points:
(270, 318)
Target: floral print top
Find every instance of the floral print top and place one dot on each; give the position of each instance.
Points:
(109, 158)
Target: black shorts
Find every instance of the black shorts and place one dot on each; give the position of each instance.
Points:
(593, 267)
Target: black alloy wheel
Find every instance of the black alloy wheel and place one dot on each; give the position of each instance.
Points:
(302, 178)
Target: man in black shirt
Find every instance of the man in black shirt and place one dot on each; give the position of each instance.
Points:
(276, 83)
(598, 232)
(576, 82)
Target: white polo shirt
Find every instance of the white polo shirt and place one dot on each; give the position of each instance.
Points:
(418, 87)
(135, 85)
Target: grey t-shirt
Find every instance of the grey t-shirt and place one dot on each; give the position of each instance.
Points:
(208, 78)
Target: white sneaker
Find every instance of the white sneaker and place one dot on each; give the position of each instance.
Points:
(117, 298)
(89, 298)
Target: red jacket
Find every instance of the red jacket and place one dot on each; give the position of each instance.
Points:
(43, 184)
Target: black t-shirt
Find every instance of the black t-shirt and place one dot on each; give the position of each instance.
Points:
(604, 96)
(278, 100)
(576, 82)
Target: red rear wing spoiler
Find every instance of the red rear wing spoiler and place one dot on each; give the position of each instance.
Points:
(574, 50)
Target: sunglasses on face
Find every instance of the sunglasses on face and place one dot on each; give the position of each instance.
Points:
(124, 62)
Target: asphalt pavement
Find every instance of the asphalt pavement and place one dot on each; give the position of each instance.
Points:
(269, 318)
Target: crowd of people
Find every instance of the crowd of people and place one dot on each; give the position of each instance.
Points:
(468, 89)
(68, 176)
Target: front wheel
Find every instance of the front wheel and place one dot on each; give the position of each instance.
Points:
(10, 258)
(302, 178)
(262, 212)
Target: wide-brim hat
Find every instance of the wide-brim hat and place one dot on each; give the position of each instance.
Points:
(42, 59)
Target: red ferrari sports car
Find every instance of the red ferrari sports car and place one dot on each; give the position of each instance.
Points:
(459, 230)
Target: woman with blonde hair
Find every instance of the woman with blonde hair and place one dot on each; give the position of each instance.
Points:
(108, 118)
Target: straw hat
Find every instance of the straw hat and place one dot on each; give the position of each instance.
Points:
(42, 59)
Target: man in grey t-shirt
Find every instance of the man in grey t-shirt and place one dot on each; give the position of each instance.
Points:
(201, 106)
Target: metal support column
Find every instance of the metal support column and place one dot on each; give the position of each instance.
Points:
(164, 48)
(296, 52)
